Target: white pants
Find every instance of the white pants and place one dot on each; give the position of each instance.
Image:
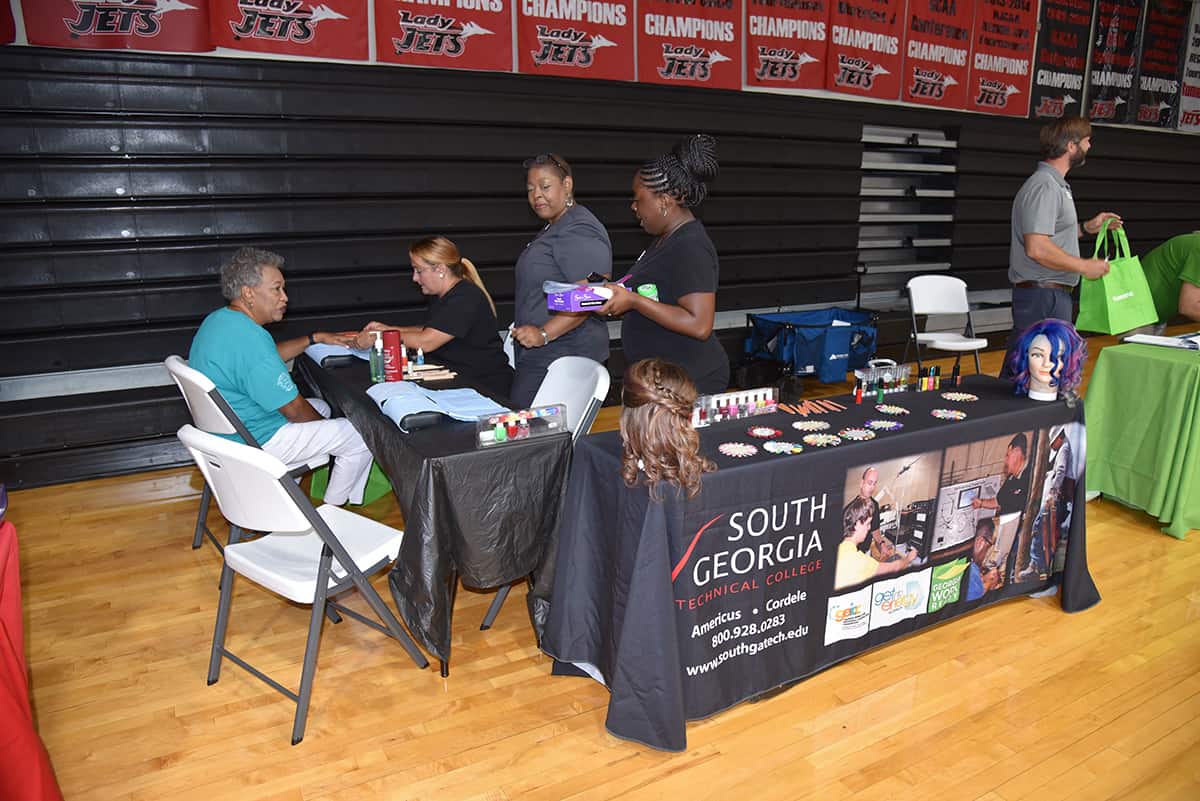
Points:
(296, 443)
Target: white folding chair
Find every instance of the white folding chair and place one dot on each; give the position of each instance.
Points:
(582, 385)
(310, 554)
(931, 295)
(212, 413)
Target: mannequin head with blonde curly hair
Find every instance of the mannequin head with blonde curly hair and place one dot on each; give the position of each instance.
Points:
(657, 438)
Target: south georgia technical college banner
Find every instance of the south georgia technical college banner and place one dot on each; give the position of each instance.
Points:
(690, 42)
(456, 34)
(576, 38)
(787, 43)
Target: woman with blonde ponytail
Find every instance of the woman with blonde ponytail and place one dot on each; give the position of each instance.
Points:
(460, 327)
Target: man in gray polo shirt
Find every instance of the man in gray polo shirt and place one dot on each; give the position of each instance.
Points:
(1043, 262)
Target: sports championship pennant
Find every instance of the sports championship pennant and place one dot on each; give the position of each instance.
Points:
(936, 52)
(1002, 57)
(1189, 104)
(1162, 63)
(864, 48)
(462, 34)
(328, 29)
(690, 42)
(787, 43)
(169, 25)
(576, 38)
(1115, 40)
(1062, 50)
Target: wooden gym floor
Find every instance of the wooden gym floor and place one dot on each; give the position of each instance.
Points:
(1019, 701)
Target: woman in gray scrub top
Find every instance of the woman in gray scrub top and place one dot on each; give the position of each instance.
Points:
(572, 245)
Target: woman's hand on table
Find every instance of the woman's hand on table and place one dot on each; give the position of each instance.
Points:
(346, 338)
(365, 339)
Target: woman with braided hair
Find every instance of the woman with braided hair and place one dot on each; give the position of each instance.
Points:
(658, 443)
(681, 263)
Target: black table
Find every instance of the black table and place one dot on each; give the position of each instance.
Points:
(683, 608)
(485, 516)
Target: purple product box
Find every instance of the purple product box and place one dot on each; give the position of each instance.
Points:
(580, 298)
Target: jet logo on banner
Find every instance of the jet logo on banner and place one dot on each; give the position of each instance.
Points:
(434, 34)
(930, 83)
(137, 18)
(567, 47)
(280, 20)
(857, 72)
(689, 62)
(780, 63)
(994, 93)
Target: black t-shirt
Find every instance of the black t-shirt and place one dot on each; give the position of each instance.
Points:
(475, 352)
(1013, 493)
(684, 264)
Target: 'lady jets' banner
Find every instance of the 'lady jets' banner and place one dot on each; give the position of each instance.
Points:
(1114, 60)
(936, 52)
(1061, 58)
(1189, 104)
(576, 38)
(463, 34)
(171, 25)
(1162, 63)
(1002, 57)
(329, 29)
(690, 42)
(786, 43)
(864, 48)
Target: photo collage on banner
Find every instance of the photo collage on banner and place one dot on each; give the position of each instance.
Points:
(787, 43)
(1115, 39)
(591, 39)
(931, 530)
(937, 53)
(1062, 52)
(163, 25)
(1161, 65)
(690, 43)
(1189, 103)
(335, 29)
(1002, 56)
(455, 34)
(864, 48)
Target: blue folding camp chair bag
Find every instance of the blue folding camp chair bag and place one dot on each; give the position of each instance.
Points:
(809, 343)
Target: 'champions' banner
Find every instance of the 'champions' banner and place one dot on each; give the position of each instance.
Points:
(168, 25)
(329, 29)
(1189, 104)
(1114, 60)
(936, 53)
(1061, 59)
(456, 34)
(576, 38)
(1002, 57)
(691, 43)
(864, 48)
(1162, 63)
(787, 43)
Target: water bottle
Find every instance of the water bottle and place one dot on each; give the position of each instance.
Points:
(648, 291)
(377, 376)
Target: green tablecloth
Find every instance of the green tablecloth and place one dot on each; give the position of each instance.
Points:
(1143, 432)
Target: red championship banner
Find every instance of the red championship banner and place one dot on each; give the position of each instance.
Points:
(864, 48)
(328, 29)
(937, 51)
(8, 28)
(787, 43)
(172, 25)
(1002, 56)
(1189, 104)
(576, 38)
(685, 42)
(460, 34)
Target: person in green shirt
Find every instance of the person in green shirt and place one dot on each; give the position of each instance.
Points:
(1173, 273)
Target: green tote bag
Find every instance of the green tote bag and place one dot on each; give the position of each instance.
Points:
(1120, 301)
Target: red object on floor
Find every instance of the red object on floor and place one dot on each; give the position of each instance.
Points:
(25, 771)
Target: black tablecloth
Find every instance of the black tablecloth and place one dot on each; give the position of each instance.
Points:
(686, 607)
(486, 515)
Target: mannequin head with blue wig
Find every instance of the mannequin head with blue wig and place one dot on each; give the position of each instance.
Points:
(1048, 360)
